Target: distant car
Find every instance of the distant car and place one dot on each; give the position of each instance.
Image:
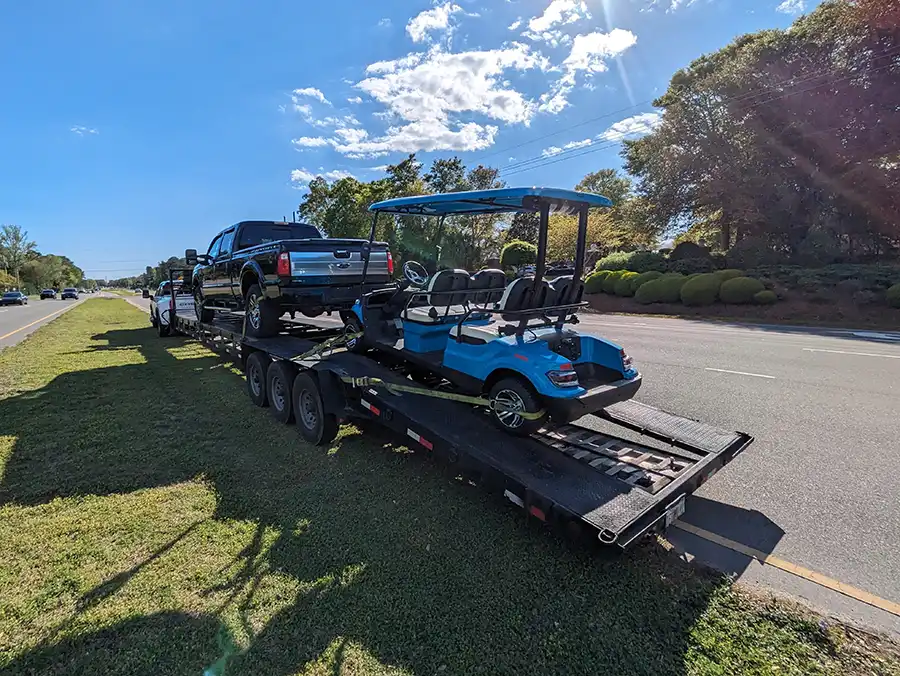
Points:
(69, 293)
(14, 298)
(48, 293)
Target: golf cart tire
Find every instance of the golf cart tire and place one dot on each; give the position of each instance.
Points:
(269, 314)
(279, 378)
(204, 314)
(315, 426)
(255, 371)
(529, 398)
(353, 325)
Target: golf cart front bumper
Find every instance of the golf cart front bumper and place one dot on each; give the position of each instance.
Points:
(593, 400)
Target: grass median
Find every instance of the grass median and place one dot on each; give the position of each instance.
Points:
(154, 521)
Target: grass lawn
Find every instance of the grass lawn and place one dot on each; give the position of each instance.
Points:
(154, 522)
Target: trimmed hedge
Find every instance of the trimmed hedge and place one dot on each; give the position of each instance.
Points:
(740, 290)
(516, 253)
(893, 296)
(593, 283)
(623, 284)
(609, 282)
(729, 273)
(635, 261)
(765, 297)
(665, 289)
(689, 266)
(701, 290)
(643, 278)
(688, 250)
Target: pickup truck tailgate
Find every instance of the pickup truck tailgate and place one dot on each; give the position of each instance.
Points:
(334, 261)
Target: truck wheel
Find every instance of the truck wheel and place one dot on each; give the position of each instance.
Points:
(515, 393)
(279, 378)
(262, 313)
(162, 329)
(204, 314)
(316, 426)
(257, 365)
(153, 320)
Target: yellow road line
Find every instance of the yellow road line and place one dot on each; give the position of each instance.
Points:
(37, 321)
(793, 569)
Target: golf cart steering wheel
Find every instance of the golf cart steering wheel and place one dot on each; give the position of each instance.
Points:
(415, 273)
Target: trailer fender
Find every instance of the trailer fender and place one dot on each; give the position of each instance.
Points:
(332, 390)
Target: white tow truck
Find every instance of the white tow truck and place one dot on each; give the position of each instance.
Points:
(161, 305)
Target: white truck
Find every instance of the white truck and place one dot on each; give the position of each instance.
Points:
(161, 305)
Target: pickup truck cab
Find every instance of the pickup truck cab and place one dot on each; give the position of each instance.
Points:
(267, 268)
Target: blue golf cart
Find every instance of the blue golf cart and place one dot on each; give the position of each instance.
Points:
(479, 334)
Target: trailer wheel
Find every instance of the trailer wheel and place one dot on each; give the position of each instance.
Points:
(279, 378)
(262, 313)
(257, 365)
(316, 426)
(515, 393)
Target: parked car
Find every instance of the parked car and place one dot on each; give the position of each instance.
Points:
(69, 293)
(268, 268)
(14, 298)
(48, 293)
(161, 305)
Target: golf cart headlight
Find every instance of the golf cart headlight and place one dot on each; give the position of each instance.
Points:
(563, 378)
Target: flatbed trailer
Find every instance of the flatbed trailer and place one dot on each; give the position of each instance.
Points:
(617, 477)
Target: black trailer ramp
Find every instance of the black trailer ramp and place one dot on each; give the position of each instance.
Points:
(616, 487)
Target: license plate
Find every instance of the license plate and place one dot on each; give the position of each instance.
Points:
(675, 511)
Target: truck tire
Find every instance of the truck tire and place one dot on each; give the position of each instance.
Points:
(162, 330)
(279, 379)
(316, 426)
(204, 314)
(262, 313)
(255, 371)
(515, 391)
(153, 320)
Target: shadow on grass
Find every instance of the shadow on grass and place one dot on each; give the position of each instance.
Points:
(423, 572)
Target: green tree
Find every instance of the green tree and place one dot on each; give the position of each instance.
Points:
(15, 248)
(606, 182)
(524, 227)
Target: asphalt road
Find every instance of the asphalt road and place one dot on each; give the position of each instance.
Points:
(820, 485)
(18, 321)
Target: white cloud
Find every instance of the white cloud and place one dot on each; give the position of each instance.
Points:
(384, 23)
(435, 19)
(354, 99)
(349, 135)
(81, 131)
(578, 144)
(514, 25)
(558, 13)
(591, 51)
(301, 177)
(424, 135)
(311, 92)
(304, 109)
(791, 7)
(551, 151)
(380, 167)
(310, 142)
(631, 127)
(333, 121)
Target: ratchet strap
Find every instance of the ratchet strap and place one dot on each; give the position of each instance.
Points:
(318, 352)
(393, 388)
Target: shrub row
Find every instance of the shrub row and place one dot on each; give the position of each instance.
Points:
(729, 286)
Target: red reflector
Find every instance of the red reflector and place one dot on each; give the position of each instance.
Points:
(565, 367)
(422, 440)
(520, 356)
(534, 511)
(284, 264)
(390, 263)
(370, 407)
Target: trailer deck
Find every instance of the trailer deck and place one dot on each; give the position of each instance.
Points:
(583, 476)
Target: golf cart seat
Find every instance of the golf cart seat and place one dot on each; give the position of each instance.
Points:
(474, 334)
(564, 291)
(441, 303)
(519, 296)
(488, 286)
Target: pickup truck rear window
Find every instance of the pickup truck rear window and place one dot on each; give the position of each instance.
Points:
(256, 234)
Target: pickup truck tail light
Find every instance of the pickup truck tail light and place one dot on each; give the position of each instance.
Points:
(284, 264)
(390, 260)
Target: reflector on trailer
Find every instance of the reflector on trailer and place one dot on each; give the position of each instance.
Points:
(513, 498)
(418, 437)
(370, 407)
(535, 511)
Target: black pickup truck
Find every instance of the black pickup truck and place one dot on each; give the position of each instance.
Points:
(268, 268)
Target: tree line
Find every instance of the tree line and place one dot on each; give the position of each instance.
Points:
(785, 143)
(25, 268)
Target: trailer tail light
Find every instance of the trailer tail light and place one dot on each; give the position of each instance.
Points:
(390, 261)
(284, 264)
(563, 377)
(627, 362)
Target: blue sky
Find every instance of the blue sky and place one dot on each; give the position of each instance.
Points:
(132, 130)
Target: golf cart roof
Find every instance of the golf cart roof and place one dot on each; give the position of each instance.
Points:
(499, 200)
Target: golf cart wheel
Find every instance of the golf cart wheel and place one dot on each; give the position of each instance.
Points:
(204, 314)
(515, 393)
(316, 426)
(257, 365)
(262, 313)
(279, 379)
(353, 325)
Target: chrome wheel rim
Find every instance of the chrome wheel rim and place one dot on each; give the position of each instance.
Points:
(253, 311)
(308, 411)
(509, 399)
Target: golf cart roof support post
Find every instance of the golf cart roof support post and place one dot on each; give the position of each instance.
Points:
(581, 244)
(365, 270)
(437, 242)
(541, 262)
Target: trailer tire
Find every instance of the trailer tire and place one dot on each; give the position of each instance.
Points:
(515, 391)
(279, 379)
(316, 426)
(204, 314)
(262, 313)
(257, 365)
